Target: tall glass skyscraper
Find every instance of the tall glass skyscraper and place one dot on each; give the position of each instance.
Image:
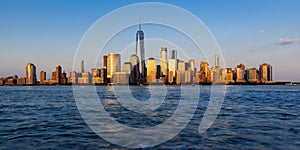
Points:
(30, 74)
(113, 64)
(140, 52)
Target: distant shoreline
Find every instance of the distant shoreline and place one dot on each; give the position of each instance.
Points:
(201, 84)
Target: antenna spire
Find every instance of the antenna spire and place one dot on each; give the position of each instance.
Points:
(139, 24)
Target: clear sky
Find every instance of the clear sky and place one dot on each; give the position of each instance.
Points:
(47, 32)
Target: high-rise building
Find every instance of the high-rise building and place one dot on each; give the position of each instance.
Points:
(134, 73)
(151, 70)
(181, 66)
(95, 72)
(120, 78)
(252, 75)
(105, 61)
(64, 79)
(217, 62)
(140, 52)
(163, 62)
(172, 67)
(173, 54)
(73, 79)
(229, 75)
(30, 74)
(158, 72)
(126, 67)
(265, 71)
(239, 73)
(192, 64)
(192, 69)
(58, 71)
(42, 77)
(85, 78)
(82, 66)
(113, 64)
(204, 73)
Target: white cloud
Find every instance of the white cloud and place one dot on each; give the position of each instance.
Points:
(286, 41)
(261, 32)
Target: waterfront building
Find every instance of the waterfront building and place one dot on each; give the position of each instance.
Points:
(134, 73)
(181, 66)
(172, 67)
(73, 79)
(103, 76)
(63, 79)
(187, 76)
(204, 73)
(105, 61)
(265, 71)
(180, 72)
(163, 62)
(140, 52)
(58, 71)
(21, 81)
(151, 70)
(239, 73)
(126, 67)
(99, 76)
(30, 74)
(95, 72)
(171, 77)
(229, 76)
(120, 78)
(113, 64)
(192, 69)
(158, 72)
(2, 81)
(85, 78)
(252, 75)
(42, 77)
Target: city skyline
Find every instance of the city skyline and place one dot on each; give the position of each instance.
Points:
(248, 37)
(139, 71)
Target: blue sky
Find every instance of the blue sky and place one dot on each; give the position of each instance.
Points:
(47, 32)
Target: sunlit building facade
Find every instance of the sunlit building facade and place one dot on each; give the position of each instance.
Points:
(252, 75)
(113, 64)
(31, 74)
(265, 71)
(151, 70)
(163, 62)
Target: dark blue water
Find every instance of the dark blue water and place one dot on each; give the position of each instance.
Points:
(252, 117)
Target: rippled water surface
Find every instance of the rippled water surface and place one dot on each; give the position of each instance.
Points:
(252, 117)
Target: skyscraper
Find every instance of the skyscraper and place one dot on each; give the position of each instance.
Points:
(265, 71)
(42, 77)
(82, 66)
(30, 74)
(134, 73)
(126, 67)
(58, 74)
(113, 64)
(252, 75)
(140, 52)
(105, 61)
(172, 67)
(151, 70)
(174, 54)
(163, 62)
(217, 63)
(239, 73)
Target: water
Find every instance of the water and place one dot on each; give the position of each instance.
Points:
(252, 117)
